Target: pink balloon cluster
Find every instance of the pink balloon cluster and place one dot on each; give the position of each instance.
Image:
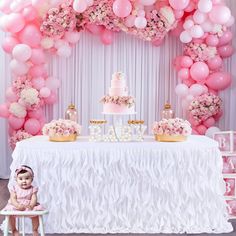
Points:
(31, 87)
(208, 40)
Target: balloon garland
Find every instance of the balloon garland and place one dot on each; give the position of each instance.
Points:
(38, 27)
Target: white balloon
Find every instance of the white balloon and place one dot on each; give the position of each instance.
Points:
(207, 26)
(181, 90)
(185, 37)
(89, 2)
(22, 52)
(196, 89)
(196, 31)
(47, 43)
(64, 51)
(188, 24)
(140, 22)
(148, 2)
(205, 6)
(210, 131)
(199, 17)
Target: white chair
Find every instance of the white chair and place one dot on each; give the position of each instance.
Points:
(22, 215)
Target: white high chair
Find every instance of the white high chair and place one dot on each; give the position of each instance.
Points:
(22, 215)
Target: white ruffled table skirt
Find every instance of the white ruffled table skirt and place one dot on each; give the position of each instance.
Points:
(134, 187)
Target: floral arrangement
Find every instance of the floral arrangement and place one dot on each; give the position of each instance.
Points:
(18, 136)
(21, 83)
(30, 98)
(17, 110)
(174, 126)
(205, 106)
(200, 51)
(61, 127)
(125, 100)
(59, 20)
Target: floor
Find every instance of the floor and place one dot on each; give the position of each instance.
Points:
(4, 196)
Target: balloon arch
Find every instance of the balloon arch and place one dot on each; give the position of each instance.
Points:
(37, 27)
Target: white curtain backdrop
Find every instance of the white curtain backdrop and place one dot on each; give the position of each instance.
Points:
(85, 78)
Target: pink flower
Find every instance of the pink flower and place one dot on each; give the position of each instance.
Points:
(205, 106)
(18, 136)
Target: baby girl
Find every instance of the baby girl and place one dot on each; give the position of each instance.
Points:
(23, 197)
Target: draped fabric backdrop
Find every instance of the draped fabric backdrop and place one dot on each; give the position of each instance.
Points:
(85, 78)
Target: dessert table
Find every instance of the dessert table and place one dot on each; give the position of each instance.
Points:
(133, 187)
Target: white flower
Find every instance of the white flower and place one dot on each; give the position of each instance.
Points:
(29, 96)
(17, 110)
(168, 14)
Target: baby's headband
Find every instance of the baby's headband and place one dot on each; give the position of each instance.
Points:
(26, 168)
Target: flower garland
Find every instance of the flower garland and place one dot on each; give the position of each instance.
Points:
(56, 26)
(125, 100)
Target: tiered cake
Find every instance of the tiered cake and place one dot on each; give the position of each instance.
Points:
(118, 101)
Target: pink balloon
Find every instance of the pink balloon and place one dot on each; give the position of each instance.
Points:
(72, 36)
(209, 122)
(37, 114)
(193, 122)
(95, 29)
(30, 35)
(157, 42)
(183, 73)
(179, 4)
(225, 38)
(215, 63)
(37, 70)
(38, 56)
(122, 8)
(38, 82)
(107, 37)
(178, 29)
(11, 95)
(51, 99)
(15, 22)
(213, 91)
(212, 40)
(129, 20)
(201, 129)
(194, 132)
(45, 92)
(29, 13)
(189, 82)
(4, 110)
(186, 61)
(15, 122)
(32, 126)
(218, 115)
(226, 51)
(219, 14)
(177, 62)
(178, 14)
(218, 80)
(199, 71)
(9, 43)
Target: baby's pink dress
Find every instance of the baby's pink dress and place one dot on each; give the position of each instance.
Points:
(23, 197)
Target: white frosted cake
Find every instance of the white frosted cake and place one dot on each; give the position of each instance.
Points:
(118, 101)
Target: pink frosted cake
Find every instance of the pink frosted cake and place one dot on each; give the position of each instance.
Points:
(118, 101)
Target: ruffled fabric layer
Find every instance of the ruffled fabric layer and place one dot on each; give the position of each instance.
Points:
(146, 187)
